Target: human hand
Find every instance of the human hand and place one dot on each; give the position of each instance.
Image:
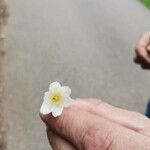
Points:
(94, 125)
(142, 51)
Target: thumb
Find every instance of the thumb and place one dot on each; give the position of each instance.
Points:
(80, 128)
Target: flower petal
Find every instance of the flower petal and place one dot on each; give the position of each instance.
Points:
(68, 101)
(46, 96)
(66, 90)
(54, 85)
(46, 108)
(57, 111)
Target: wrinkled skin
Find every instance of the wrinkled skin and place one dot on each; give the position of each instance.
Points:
(94, 125)
(142, 51)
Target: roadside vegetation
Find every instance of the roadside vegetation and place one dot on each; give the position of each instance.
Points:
(146, 3)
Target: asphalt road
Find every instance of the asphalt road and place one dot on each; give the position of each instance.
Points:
(86, 44)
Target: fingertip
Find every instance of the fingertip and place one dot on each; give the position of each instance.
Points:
(148, 48)
(144, 56)
(44, 117)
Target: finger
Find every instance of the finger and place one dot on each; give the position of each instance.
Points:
(90, 132)
(142, 62)
(142, 46)
(128, 119)
(140, 58)
(144, 41)
(125, 139)
(79, 127)
(142, 52)
(57, 142)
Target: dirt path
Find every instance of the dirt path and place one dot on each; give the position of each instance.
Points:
(3, 16)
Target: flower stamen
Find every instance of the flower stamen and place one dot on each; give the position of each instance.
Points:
(56, 98)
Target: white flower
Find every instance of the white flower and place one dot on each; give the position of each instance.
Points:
(56, 99)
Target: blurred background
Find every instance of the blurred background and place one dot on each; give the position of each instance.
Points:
(85, 44)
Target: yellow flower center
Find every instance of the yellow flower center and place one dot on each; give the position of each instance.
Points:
(56, 98)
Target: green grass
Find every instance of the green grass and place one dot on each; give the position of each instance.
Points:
(146, 3)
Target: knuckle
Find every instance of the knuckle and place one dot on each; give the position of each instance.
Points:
(93, 140)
